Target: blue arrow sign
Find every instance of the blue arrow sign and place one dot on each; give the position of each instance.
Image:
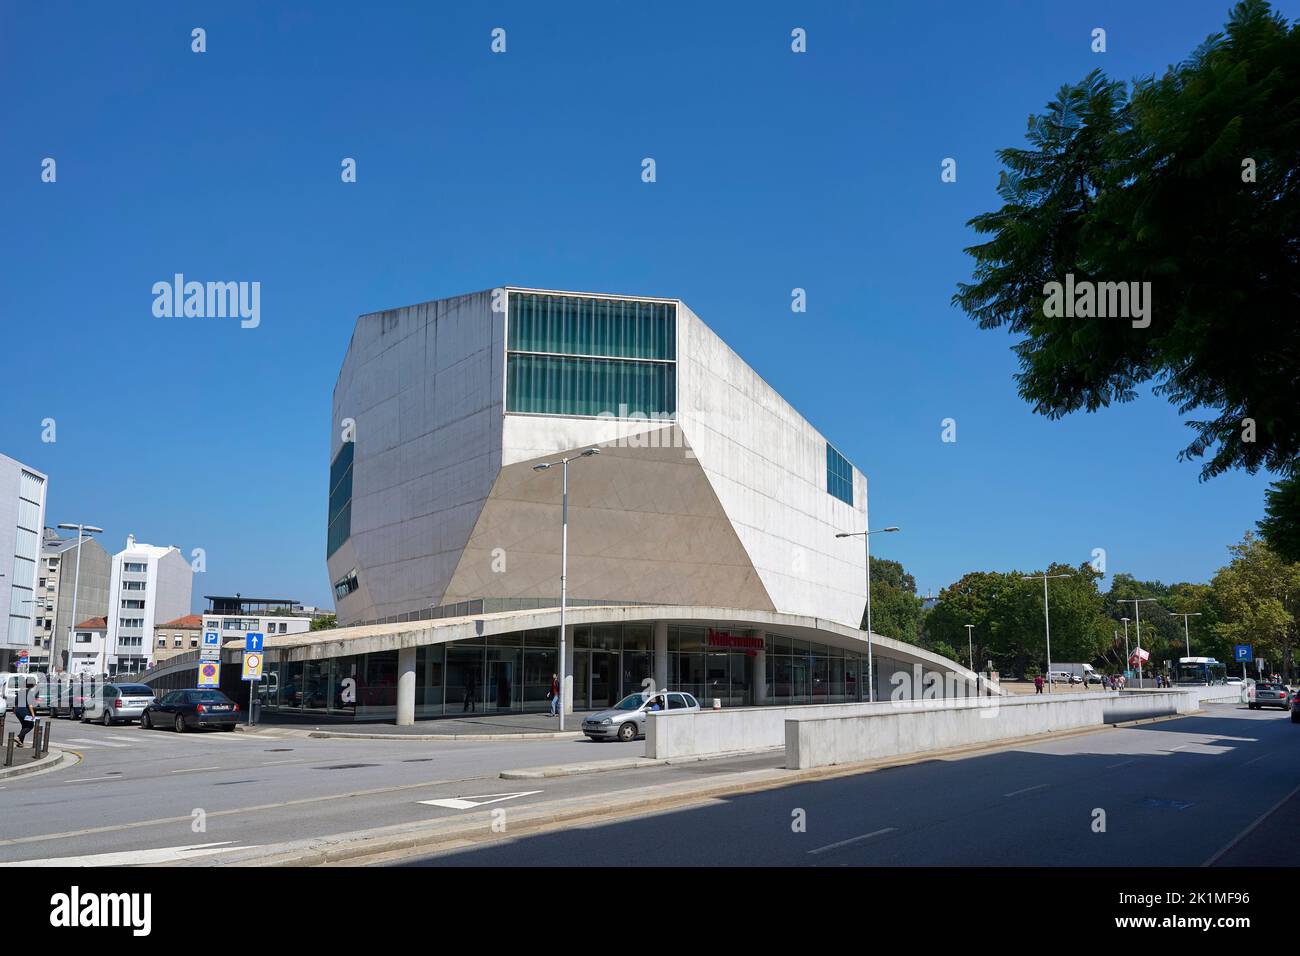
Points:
(252, 642)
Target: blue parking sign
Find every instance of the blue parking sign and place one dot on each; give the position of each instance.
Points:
(1243, 653)
(252, 642)
(210, 639)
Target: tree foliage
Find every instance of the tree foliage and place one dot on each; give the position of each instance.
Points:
(1191, 182)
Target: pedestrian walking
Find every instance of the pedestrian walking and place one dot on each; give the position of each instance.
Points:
(470, 695)
(23, 711)
(554, 695)
(1038, 684)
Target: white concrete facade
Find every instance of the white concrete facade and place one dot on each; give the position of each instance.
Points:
(22, 520)
(725, 503)
(149, 585)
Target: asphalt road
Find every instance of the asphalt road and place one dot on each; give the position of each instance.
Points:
(1219, 789)
(1175, 792)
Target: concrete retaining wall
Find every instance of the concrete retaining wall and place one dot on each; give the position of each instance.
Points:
(936, 725)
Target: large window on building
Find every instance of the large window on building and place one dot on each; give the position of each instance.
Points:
(839, 475)
(587, 356)
(340, 513)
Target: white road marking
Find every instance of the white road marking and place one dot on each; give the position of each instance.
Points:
(1260, 757)
(152, 857)
(94, 743)
(1025, 790)
(468, 803)
(193, 769)
(1122, 763)
(272, 763)
(856, 839)
(130, 739)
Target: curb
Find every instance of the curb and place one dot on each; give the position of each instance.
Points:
(629, 763)
(426, 737)
(54, 760)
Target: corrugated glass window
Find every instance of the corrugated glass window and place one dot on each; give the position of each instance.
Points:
(588, 356)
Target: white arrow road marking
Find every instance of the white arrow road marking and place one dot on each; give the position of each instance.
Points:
(468, 803)
(162, 854)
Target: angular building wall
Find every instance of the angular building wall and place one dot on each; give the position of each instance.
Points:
(423, 385)
(725, 503)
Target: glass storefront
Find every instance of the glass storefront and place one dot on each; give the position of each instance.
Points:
(512, 673)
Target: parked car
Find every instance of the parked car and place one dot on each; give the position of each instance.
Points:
(184, 710)
(1270, 695)
(625, 721)
(1058, 677)
(122, 702)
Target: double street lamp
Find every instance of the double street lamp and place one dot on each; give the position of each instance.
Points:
(1047, 618)
(866, 539)
(564, 559)
(82, 529)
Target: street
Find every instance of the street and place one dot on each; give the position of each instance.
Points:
(1190, 786)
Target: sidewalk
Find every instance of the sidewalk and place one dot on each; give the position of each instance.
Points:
(506, 726)
(24, 765)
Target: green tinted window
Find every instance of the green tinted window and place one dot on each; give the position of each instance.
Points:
(839, 475)
(580, 355)
(340, 509)
(582, 325)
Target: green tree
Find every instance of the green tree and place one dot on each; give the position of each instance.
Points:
(895, 608)
(1258, 594)
(324, 622)
(1188, 182)
(1281, 523)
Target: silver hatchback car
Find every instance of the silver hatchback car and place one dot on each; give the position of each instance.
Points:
(124, 702)
(626, 720)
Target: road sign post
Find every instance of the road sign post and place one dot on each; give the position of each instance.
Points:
(252, 667)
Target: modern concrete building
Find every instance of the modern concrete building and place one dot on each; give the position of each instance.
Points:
(701, 546)
(62, 568)
(22, 518)
(148, 585)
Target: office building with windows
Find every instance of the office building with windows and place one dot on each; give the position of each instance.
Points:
(148, 585)
(63, 569)
(22, 520)
(701, 544)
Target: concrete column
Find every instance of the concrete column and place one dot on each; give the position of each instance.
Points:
(405, 686)
(568, 668)
(760, 670)
(661, 655)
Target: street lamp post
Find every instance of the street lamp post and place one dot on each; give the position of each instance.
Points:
(76, 585)
(1047, 619)
(564, 559)
(871, 667)
(970, 647)
(1137, 616)
(1125, 620)
(1187, 636)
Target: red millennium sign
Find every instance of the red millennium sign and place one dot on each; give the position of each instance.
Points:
(723, 639)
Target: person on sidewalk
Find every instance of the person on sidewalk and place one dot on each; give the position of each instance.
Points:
(23, 711)
(1038, 684)
(554, 695)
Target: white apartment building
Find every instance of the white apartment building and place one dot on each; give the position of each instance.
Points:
(149, 585)
(22, 516)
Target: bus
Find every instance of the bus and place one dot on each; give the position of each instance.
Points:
(1190, 671)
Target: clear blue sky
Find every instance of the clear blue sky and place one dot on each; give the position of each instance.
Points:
(775, 170)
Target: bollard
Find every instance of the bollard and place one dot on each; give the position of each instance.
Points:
(9, 751)
(44, 738)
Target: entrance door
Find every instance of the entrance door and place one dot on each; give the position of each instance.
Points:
(604, 679)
